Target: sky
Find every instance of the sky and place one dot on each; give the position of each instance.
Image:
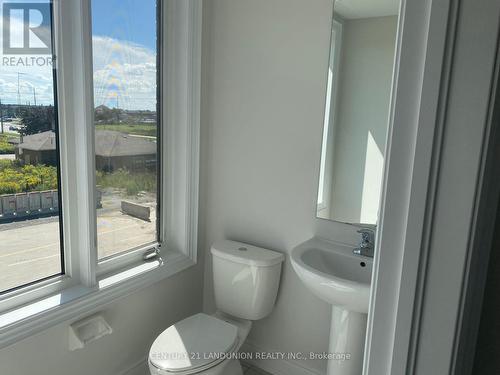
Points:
(130, 20)
(124, 58)
(124, 40)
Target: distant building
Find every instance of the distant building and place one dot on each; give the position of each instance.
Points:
(106, 115)
(113, 150)
(116, 150)
(37, 148)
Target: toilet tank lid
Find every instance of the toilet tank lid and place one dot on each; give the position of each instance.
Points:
(243, 253)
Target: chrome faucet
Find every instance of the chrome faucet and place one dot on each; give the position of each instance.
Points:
(366, 246)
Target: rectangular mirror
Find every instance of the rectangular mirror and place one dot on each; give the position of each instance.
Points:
(358, 94)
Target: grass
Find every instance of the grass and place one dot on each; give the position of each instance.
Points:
(5, 146)
(136, 129)
(130, 183)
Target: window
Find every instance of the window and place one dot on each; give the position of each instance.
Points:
(30, 204)
(99, 157)
(124, 39)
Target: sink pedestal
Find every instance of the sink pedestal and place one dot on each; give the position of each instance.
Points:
(334, 274)
(347, 341)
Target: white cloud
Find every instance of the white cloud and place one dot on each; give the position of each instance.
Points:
(123, 71)
(34, 81)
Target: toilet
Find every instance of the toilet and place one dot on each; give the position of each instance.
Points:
(246, 280)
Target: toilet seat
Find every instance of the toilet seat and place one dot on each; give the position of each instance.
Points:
(194, 344)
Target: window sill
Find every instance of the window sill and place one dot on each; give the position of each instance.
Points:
(78, 300)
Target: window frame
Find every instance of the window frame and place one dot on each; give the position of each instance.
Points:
(87, 283)
(135, 255)
(336, 38)
(59, 278)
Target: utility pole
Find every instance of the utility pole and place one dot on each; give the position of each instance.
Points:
(117, 110)
(34, 95)
(18, 90)
(1, 114)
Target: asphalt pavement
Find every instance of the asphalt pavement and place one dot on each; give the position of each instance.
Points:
(30, 249)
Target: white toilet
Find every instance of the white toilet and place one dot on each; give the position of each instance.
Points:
(246, 280)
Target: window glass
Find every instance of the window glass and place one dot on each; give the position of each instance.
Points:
(124, 38)
(30, 219)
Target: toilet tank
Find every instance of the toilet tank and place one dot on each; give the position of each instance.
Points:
(246, 279)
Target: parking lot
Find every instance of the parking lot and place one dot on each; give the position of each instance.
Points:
(29, 250)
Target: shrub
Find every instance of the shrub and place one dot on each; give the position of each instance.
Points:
(5, 163)
(9, 187)
(17, 179)
(131, 183)
(5, 146)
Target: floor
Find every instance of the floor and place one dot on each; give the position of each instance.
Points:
(251, 370)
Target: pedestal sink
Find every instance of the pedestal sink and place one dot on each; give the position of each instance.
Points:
(334, 274)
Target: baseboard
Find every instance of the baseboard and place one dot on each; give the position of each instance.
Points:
(276, 366)
(138, 368)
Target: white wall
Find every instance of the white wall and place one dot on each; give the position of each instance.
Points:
(367, 60)
(136, 321)
(264, 67)
(265, 81)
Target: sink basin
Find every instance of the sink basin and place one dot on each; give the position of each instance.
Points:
(333, 273)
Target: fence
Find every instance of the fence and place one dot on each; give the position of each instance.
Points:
(32, 205)
(26, 205)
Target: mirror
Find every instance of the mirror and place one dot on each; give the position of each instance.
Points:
(358, 94)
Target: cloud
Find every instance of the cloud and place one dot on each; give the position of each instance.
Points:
(124, 74)
(35, 81)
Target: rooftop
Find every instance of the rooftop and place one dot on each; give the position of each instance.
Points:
(108, 143)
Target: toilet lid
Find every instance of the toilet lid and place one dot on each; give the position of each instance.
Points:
(192, 343)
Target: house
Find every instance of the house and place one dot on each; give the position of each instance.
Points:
(37, 148)
(113, 150)
(116, 150)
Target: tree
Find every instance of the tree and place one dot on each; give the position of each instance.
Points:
(36, 119)
(103, 114)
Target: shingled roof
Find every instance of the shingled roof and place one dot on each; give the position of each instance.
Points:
(108, 143)
(45, 141)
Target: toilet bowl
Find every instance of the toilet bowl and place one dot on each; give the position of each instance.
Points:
(246, 280)
(200, 344)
